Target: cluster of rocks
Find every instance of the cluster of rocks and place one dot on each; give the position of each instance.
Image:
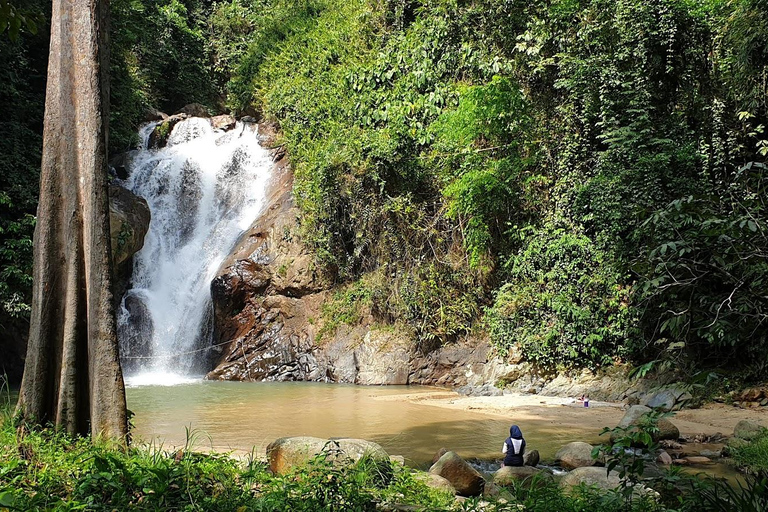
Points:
(449, 472)
(751, 398)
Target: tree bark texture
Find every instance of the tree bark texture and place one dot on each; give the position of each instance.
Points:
(72, 376)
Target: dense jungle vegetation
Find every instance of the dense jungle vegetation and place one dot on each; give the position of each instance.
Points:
(584, 178)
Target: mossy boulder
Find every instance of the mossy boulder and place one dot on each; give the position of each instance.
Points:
(747, 430)
(288, 453)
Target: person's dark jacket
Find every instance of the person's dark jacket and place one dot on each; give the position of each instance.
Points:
(514, 457)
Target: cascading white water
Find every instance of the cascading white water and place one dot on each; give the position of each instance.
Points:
(203, 189)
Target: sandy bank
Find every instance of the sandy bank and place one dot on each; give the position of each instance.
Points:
(567, 413)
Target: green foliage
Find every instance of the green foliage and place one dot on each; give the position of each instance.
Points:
(587, 172)
(14, 19)
(561, 303)
(47, 470)
(707, 271)
(512, 150)
(160, 58)
(22, 84)
(753, 456)
(345, 307)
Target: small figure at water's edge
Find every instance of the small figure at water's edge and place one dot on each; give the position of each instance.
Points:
(514, 448)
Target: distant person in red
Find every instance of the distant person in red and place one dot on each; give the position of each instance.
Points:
(514, 448)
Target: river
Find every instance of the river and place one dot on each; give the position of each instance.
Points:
(242, 416)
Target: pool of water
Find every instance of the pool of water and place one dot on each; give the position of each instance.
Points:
(248, 416)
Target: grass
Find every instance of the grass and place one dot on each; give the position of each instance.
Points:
(752, 456)
(48, 470)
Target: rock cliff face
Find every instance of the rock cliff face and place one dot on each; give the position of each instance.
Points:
(267, 312)
(267, 300)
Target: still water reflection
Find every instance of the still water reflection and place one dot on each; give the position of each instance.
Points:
(242, 416)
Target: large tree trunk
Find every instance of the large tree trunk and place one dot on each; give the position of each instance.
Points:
(72, 376)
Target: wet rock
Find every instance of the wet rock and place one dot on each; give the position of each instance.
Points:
(635, 414)
(575, 455)
(464, 478)
(698, 460)
(668, 399)
(159, 136)
(129, 218)
(121, 163)
(712, 454)
(223, 122)
(288, 453)
(747, 430)
(669, 444)
(434, 481)
(531, 458)
(194, 110)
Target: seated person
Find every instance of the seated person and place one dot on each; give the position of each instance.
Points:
(514, 448)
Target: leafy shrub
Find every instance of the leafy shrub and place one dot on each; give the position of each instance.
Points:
(561, 303)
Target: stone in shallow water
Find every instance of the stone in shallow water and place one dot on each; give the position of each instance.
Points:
(575, 455)
(531, 458)
(465, 479)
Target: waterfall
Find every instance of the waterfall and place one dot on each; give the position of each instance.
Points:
(203, 189)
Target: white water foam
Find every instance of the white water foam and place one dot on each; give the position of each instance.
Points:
(203, 190)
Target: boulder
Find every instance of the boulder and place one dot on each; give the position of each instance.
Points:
(152, 114)
(438, 454)
(509, 475)
(129, 218)
(194, 110)
(159, 136)
(465, 479)
(397, 459)
(121, 163)
(667, 399)
(600, 478)
(531, 458)
(491, 490)
(575, 455)
(356, 449)
(747, 430)
(287, 453)
(223, 122)
(434, 481)
(635, 414)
